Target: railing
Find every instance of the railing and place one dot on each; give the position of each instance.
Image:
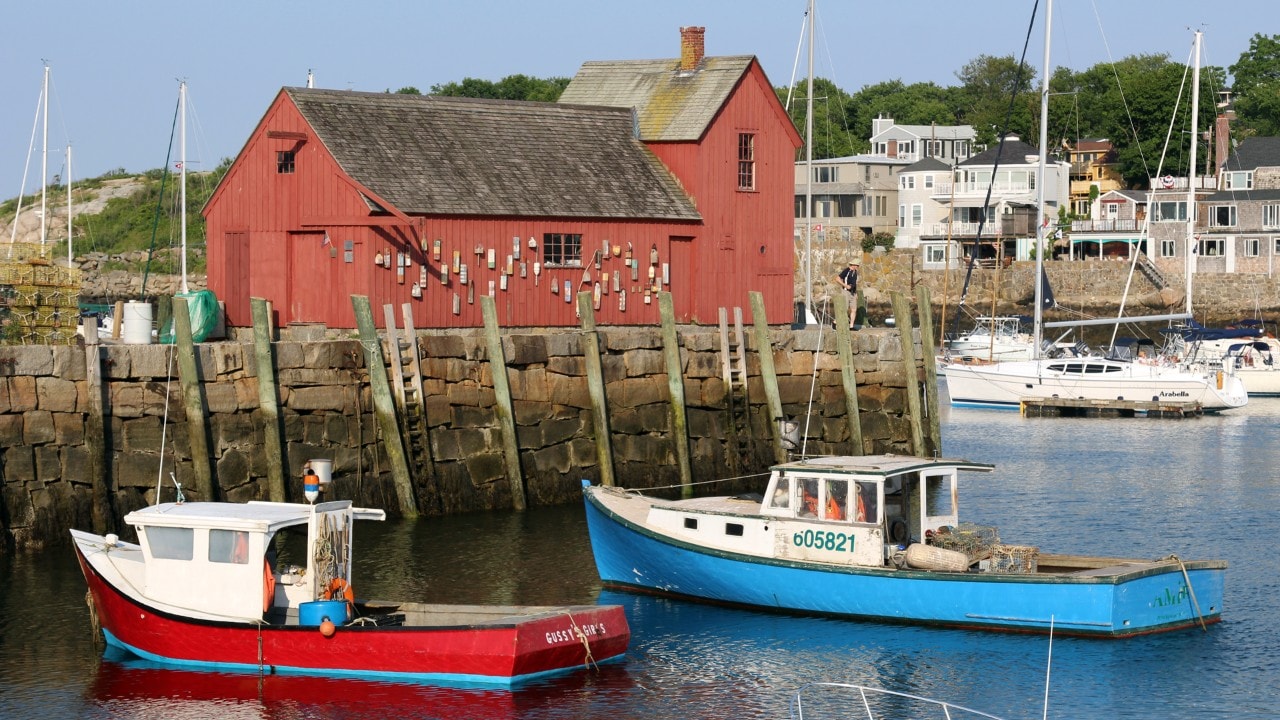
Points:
(943, 189)
(1180, 183)
(1116, 225)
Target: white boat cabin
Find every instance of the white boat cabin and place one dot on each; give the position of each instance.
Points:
(220, 559)
(879, 502)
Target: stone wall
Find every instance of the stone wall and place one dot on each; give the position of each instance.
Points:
(327, 412)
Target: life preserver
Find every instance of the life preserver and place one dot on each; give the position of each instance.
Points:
(339, 588)
(268, 586)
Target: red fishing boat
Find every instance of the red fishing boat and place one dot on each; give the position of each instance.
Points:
(267, 587)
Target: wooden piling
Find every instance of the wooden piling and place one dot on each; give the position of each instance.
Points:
(383, 406)
(269, 398)
(767, 374)
(502, 390)
(595, 387)
(95, 437)
(193, 402)
(903, 321)
(675, 387)
(924, 306)
(848, 377)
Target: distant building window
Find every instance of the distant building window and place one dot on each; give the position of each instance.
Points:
(285, 162)
(562, 249)
(746, 161)
(1211, 247)
(917, 215)
(933, 148)
(1168, 248)
(825, 174)
(928, 181)
(1222, 216)
(1270, 216)
(907, 182)
(1252, 247)
(1170, 211)
(1239, 180)
(935, 254)
(882, 206)
(902, 216)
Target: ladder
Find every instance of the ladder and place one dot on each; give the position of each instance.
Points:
(1148, 268)
(406, 378)
(733, 364)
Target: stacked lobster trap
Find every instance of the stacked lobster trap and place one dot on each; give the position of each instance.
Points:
(39, 301)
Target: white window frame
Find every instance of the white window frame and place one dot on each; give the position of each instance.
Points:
(917, 214)
(1222, 216)
(935, 254)
(1179, 210)
(928, 182)
(1211, 246)
(1168, 248)
(1252, 246)
(902, 215)
(1237, 180)
(1271, 216)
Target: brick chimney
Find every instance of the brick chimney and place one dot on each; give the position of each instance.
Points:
(1222, 130)
(691, 48)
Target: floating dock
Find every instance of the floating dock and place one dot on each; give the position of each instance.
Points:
(1081, 407)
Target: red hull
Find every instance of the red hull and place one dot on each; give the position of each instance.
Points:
(499, 654)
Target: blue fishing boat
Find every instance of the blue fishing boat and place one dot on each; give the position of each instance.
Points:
(879, 538)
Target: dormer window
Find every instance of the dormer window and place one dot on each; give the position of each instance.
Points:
(1237, 180)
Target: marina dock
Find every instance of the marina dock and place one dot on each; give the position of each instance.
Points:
(1082, 407)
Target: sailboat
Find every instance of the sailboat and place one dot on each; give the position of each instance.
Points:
(1008, 383)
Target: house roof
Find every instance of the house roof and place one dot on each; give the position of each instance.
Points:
(1241, 195)
(928, 164)
(1015, 152)
(931, 132)
(1138, 196)
(460, 156)
(1253, 153)
(671, 106)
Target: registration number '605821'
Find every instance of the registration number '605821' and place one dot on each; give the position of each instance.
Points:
(823, 540)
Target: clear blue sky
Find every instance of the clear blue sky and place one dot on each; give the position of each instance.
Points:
(115, 65)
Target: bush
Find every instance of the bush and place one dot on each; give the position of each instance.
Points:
(880, 239)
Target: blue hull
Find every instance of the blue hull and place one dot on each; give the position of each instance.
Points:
(1140, 602)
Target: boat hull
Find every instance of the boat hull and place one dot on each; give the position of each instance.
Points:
(1150, 599)
(1008, 384)
(500, 653)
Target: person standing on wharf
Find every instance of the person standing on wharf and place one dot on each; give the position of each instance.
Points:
(848, 277)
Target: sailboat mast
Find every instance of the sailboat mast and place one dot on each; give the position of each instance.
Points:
(44, 161)
(69, 255)
(1044, 145)
(808, 180)
(182, 167)
(1191, 171)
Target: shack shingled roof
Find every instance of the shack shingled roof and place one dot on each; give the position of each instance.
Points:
(460, 156)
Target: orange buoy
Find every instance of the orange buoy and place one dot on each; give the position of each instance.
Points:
(327, 628)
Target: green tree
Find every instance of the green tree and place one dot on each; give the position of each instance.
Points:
(1257, 86)
(989, 86)
(512, 87)
(832, 136)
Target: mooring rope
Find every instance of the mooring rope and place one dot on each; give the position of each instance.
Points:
(701, 482)
(589, 661)
(94, 624)
(1190, 590)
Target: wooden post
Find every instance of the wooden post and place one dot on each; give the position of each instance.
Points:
(902, 320)
(502, 389)
(675, 387)
(848, 377)
(269, 398)
(95, 438)
(383, 407)
(595, 387)
(924, 305)
(767, 374)
(117, 320)
(193, 402)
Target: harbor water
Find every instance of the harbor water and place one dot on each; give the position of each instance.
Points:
(1199, 488)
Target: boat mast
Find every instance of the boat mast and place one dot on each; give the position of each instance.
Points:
(808, 182)
(1044, 145)
(69, 256)
(182, 170)
(1191, 171)
(44, 161)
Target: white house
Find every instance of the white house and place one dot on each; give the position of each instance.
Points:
(948, 143)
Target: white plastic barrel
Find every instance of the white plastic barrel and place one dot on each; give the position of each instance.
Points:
(136, 327)
(323, 470)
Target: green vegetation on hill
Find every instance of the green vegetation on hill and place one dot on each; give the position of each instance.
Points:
(145, 219)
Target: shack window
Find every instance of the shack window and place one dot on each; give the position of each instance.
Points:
(781, 494)
(285, 162)
(229, 546)
(746, 161)
(562, 249)
(168, 543)
(837, 500)
(868, 509)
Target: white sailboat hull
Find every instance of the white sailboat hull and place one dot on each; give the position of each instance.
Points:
(1007, 384)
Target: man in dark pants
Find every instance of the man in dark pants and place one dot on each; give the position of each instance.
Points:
(848, 277)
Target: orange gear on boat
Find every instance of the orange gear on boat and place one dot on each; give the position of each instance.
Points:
(339, 588)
